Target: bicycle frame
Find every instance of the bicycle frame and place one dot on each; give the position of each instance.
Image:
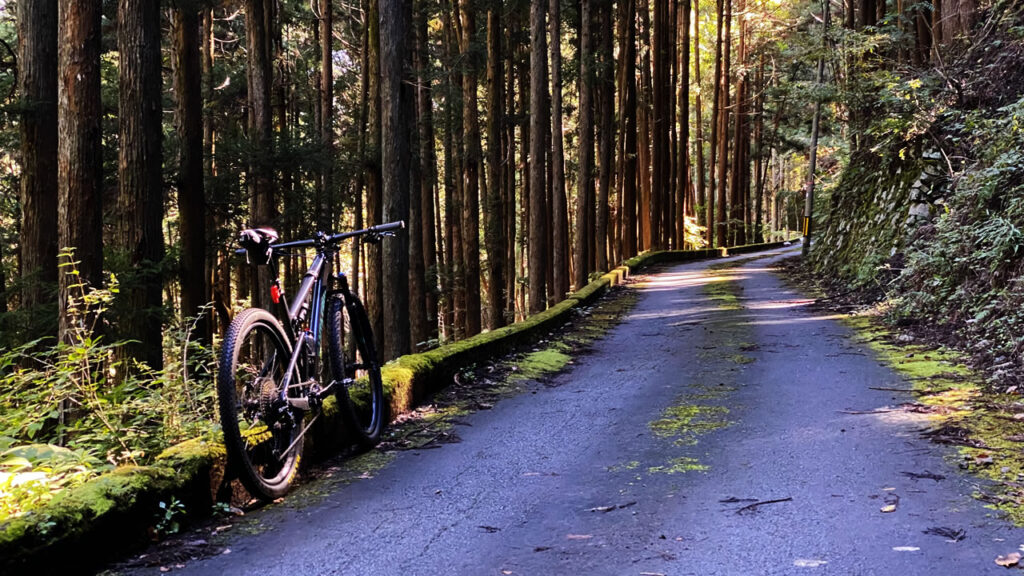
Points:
(306, 306)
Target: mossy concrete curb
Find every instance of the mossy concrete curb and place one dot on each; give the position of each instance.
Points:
(93, 521)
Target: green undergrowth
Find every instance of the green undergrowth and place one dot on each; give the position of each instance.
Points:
(964, 269)
(929, 215)
(71, 412)
(987, 429)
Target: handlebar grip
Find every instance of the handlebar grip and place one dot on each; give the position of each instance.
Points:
(398, 225)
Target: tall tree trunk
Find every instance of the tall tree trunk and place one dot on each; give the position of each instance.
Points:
(759, 159)
(219, 268)
(716, 112)
(262, 207)
(606, 129)
(188, 90)
(494, 223)
(419, 329)
(428, 168)
(585, 181)
(79, 157)
(723, 124)
(374, 184)
(615, 224)
(683, 98)
(699, 168)
(362, 174)
(451, 255)
(470, 171)
(538, 87)
(560, 206)
(627, 91)
(549, 271)
(668, 206)
(394, 28)
(736, 229)
(37, 85)
(508, 197)
(525, 176)
(644, 113)
(660, 125)
(325, 211)
(454, 182)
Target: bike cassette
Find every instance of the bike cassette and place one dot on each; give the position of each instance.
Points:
(268, 395)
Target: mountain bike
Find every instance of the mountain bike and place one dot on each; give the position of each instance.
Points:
(271, 384)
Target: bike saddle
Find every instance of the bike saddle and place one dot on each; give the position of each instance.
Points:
(258, 244)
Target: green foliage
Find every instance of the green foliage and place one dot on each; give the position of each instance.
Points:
(168, 519)
(31, 474)
(111, 412)
(966, 270)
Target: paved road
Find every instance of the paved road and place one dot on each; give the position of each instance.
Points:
(642, 457)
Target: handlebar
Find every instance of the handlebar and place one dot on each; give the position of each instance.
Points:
(387, 229)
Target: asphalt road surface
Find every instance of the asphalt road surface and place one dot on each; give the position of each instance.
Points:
(708, 434)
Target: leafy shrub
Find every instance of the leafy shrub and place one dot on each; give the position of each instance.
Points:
(966, 270)
(71, 411)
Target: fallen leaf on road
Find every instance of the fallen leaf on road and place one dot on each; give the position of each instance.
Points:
(905, 548)
(1009, 560)
(579, 536)
(891, 501)
(808, 563)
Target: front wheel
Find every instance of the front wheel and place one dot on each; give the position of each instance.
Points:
(262, 435)
(361, 398)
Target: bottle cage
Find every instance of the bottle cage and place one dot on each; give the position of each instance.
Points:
(258, 244)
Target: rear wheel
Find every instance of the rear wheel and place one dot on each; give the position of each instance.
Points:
(262, 434)
(361, 399)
